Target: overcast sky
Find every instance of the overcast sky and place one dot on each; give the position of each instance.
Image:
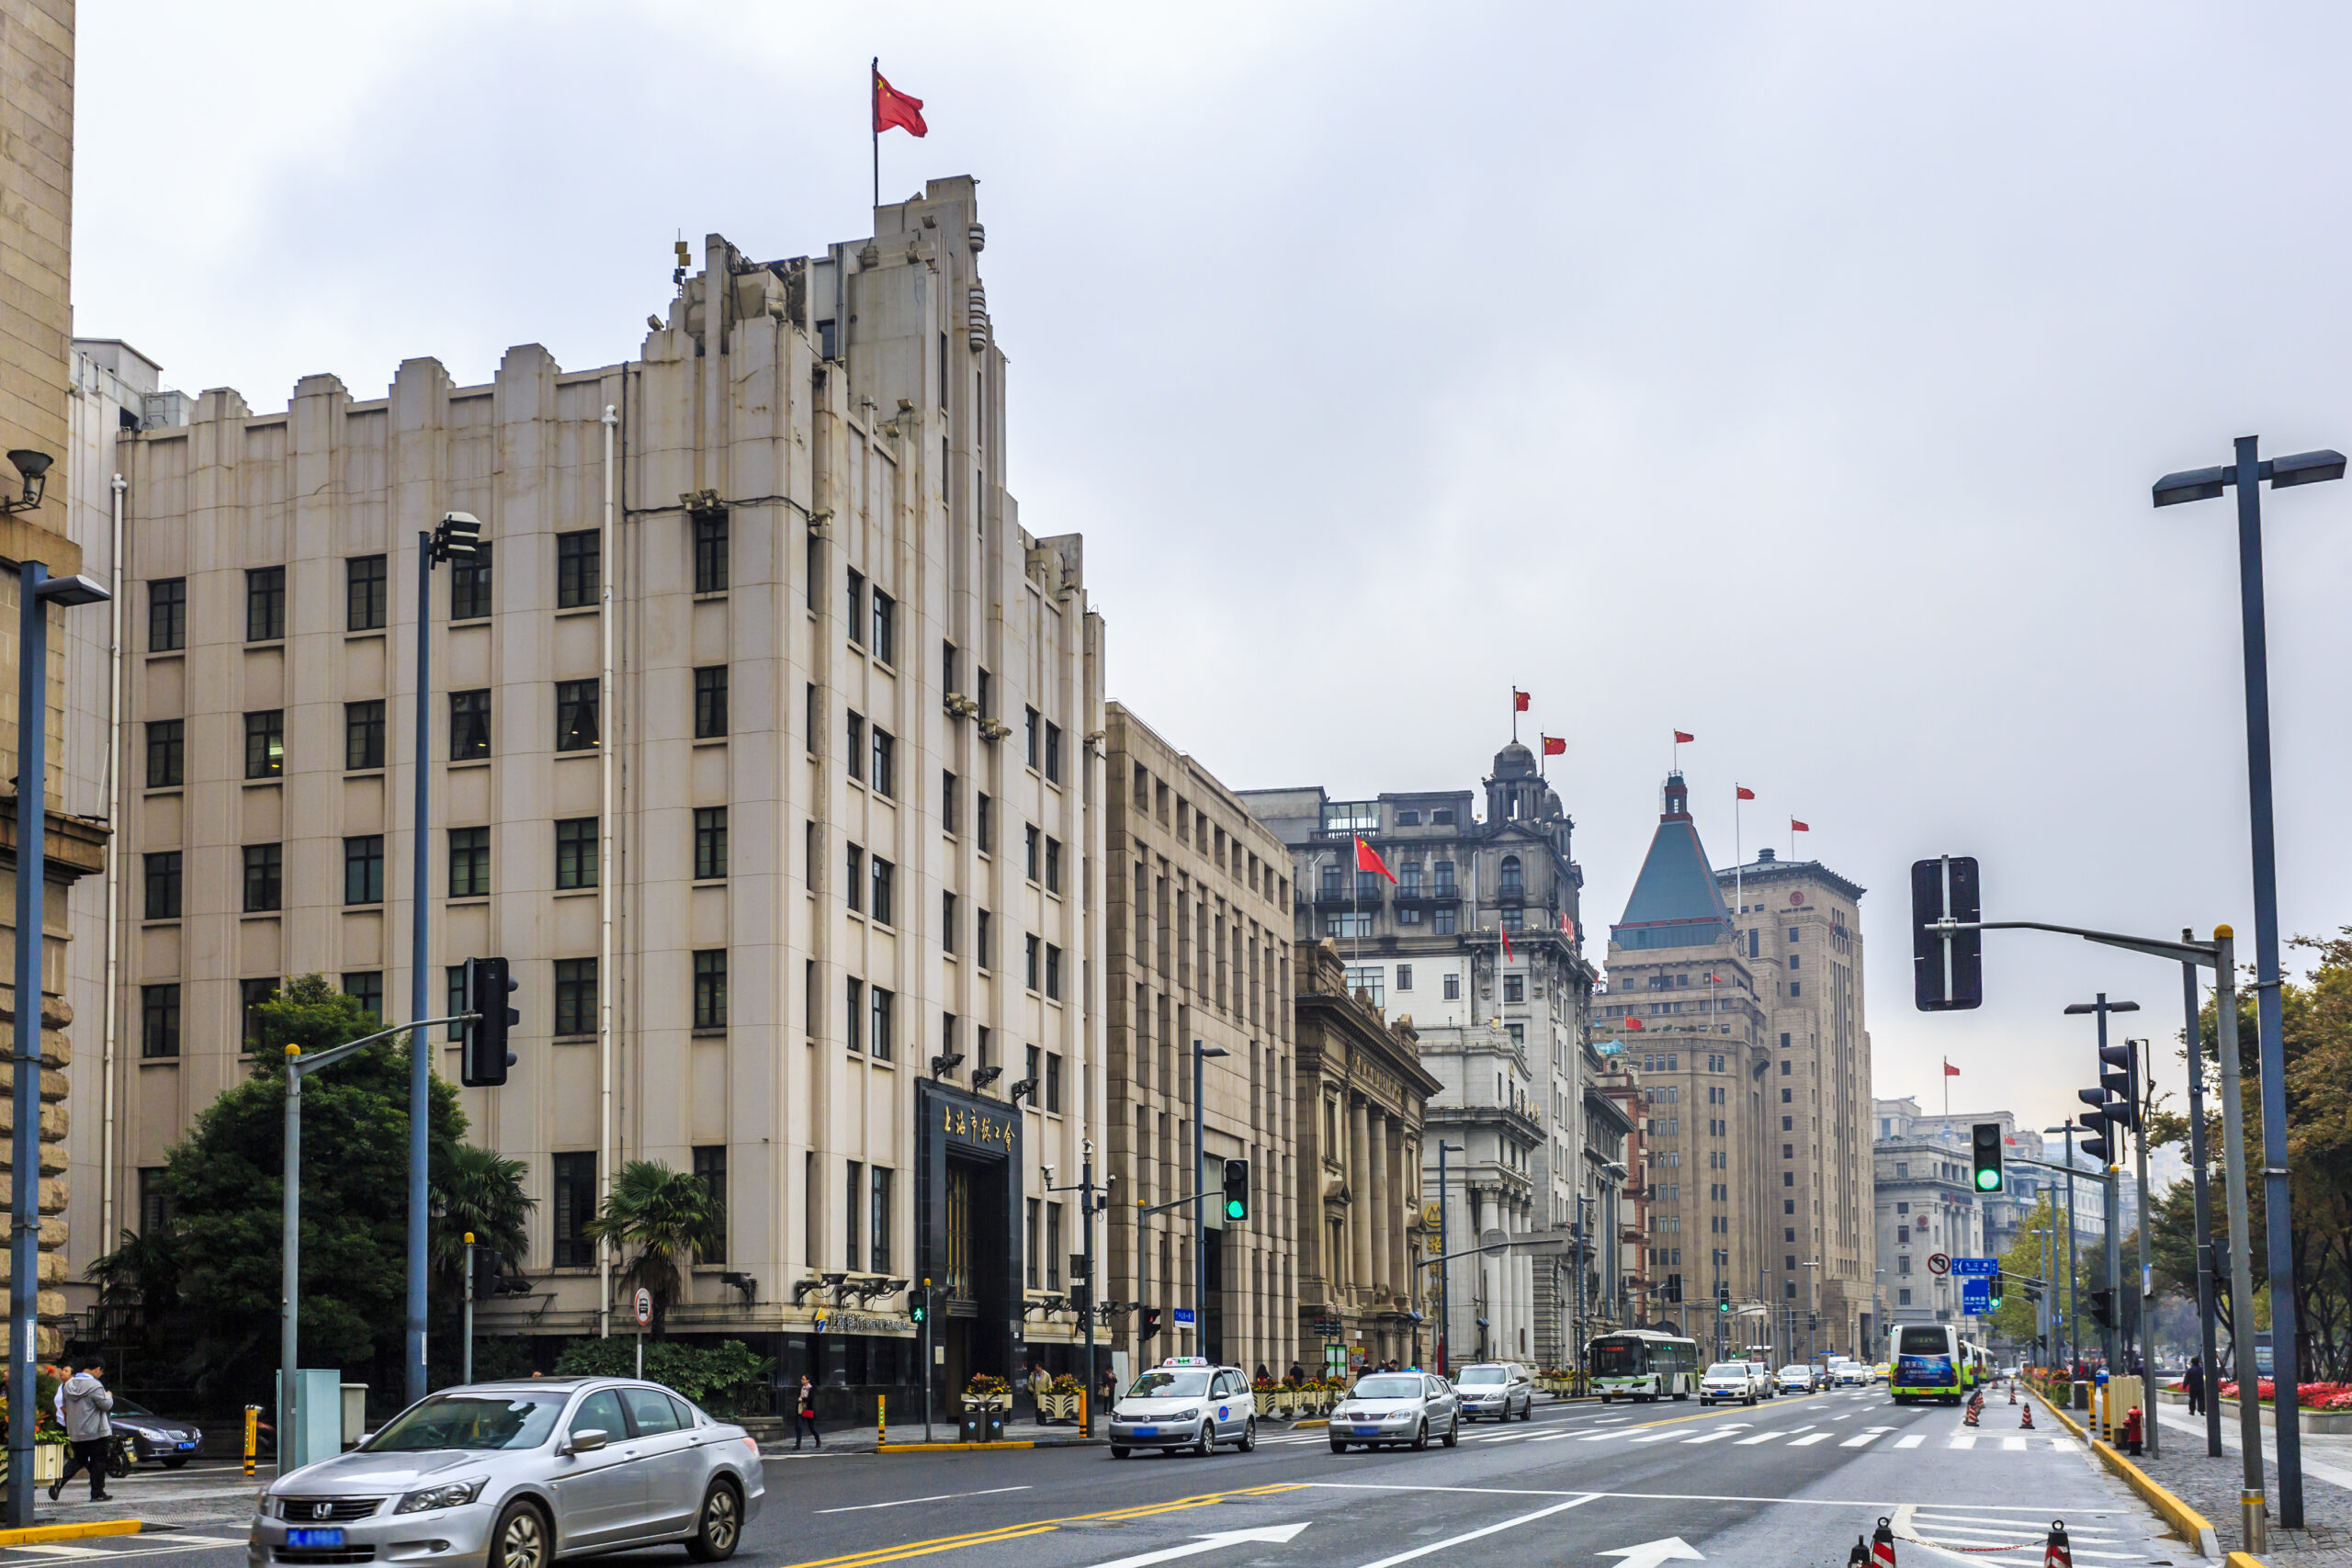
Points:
(1792, 375)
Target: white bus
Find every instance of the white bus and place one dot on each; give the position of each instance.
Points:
(1642, 1364)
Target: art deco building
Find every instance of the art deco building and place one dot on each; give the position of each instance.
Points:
(1431, 948)
(760, 742)
(1198, 954)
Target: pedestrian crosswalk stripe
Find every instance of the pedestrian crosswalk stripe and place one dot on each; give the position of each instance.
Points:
(1963, 1439)
(1812, 1437)
(1913, 1441)
(1863, 1439)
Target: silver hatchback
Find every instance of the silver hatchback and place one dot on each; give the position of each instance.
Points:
(515, 1476)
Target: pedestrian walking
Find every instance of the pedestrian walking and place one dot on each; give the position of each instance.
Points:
(804, 1413)
(86, 1402)
(1110, 1387)
(2193, 1381)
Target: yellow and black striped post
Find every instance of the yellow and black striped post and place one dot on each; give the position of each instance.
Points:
(253, 1435)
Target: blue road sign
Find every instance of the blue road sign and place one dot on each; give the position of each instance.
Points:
(1977, 1297)
(1183, 1314)
(1974, 1266)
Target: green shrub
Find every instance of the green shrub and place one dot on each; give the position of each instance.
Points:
(726, 1379)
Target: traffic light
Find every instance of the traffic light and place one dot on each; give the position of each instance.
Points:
(486, 1057)
(1150, 1322)
(1081, 1298)
(2103, 1308)
(1947, 968)
(1987, 1138)
(919, 1304)
(1993, 1288)
(1237, 1190)
(485, 1262)
(2122, 1083)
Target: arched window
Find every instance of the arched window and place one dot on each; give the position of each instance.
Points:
(1513, 885)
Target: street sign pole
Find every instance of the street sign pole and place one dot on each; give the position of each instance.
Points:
(643, 1302)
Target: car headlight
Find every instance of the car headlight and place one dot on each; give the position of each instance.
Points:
(1193, 1414)
(457, 1493)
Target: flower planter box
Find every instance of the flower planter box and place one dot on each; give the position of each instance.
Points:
(1058, 1407)
(48, 1462)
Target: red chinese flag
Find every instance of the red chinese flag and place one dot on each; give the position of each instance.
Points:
(1368, 859)
(1519, 700)
(1950, 1071)
(1568, 926)
(1744, 793)
(1683, 737)
(892, 106)
(1797, 826)
(1507, 954)
(1633, 1022)
(1554, 747)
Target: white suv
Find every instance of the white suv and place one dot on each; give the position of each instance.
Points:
(1730, 1382)
(1496, 1389)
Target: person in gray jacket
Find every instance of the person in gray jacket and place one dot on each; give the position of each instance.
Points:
(86, 1402)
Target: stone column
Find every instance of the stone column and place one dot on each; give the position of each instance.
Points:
(1383, 1197)
(1359, 1196)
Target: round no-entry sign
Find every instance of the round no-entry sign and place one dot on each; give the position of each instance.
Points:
(1937, 1264)
(643, 1303)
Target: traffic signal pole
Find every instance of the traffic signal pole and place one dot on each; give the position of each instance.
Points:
(2254, 1522)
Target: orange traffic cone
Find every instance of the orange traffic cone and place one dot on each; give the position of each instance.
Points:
(1882, 1547)
(2057, 1553)
(2025, 1417)
(1970, 1419)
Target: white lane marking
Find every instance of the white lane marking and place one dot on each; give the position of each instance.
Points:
(1963, 1439)
(1913, 1441)
(1276, 1533)
(1863, 1439)
(941, 1498)
(1505, 1437)
(1551, 1436)
(1718, 1436)
(1759, 1438)
(1814, 1437)
(1659, 1438)
(46, 1549)
(1578, 1502)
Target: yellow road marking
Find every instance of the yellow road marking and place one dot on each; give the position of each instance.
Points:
(1039, 1527)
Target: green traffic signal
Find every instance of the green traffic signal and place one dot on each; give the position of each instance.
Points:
(1237, 1190)
(1988, 1180)
(1985, 1137)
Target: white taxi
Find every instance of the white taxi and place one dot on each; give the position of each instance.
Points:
(1186, 1402)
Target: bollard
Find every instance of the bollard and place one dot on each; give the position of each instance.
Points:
(1859, 1557)
(2056, 1552)
(252, 1436)
(1882, 1546)
(881, 1423)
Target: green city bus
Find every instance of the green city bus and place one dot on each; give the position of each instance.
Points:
(1925, 1361)
(1643, 1365)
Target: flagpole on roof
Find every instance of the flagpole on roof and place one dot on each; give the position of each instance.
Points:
(873, 118)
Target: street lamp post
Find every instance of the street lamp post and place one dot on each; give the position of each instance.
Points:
(35, 590)
(456, 538)
(1445, 1270)
(2246, 472)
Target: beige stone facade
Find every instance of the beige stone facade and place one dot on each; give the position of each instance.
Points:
(1362, 1119)
(1198, 948)
(838, 794)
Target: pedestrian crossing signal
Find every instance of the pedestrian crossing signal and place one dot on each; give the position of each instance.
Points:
(1150, 1324)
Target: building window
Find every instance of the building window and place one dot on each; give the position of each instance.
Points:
(578, 569)
(854, 619)
(1454, 987)
(877, 1226)
(1053, 866)
(854, 752)
(454, 983)
(1034, 954)
(363, 735)
(885, 1004)
(159, 1020)
(947, 797)
(1514, 987)
(576, 718)
(155, 1206)
(266, 604)
(710, 990)
(468, 862)
(576, 995)
(1053, 1246)
(470, 725)
(983, 824)
(163, 882)
(1345, 923)
(575, 852)
(367, 593)
(886, 763)
(574, 1204)
(884, 873)
(710, 842)
(1902, 1298)
(1034, 1250)
(854, 1013)
(366, 986)
(982, 931)
(886, 627)
(363, 869)
(1370, 979)
(710, 553)
(1513, 883)
(263, 868)
(710, 703)
(1032, 736)
(711, 1169)
(1444, 920)
(1404, 976)
(167, 753)
(853, 883)
(470, 585)
(1796, 988)
(1053, 1082)
(1033, 845)
(1054, 752)
(251, 994)
(1053, 971)
(167, 615)
(266, 744)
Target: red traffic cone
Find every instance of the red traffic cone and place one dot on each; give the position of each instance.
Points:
(2057, 1553)
(2013, 1392)
(1970, 1419)
(1882, 1547)
(2025, 1417)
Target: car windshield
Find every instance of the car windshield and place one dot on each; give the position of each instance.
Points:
(1180, 1383)
(471, 1421)
(1388, 1388)
(1482, 1374)
(122, 1406)
(1728, 1370)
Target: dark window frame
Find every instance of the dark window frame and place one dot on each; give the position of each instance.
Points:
(710, 988)
(265, 603)
(167, 753)
(363, 869)
(161, 885)
(264, 879)
(575, 1013)
(470, 862)
(470, 725)
(711, 552)
(266, 744)
(578, 715)
(167, 615)
(363, 735)
(711, 844)
(472, 581)
(579, 569)
(577, 852)
(159, 1021)
(711, 702)
(367, 593)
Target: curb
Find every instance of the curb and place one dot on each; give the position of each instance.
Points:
(2192, 1524)
(37, 1533)
(965, 1448)
(2240, 1560)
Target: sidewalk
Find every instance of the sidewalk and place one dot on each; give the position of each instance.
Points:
(860, 1440)
(2211, 1486)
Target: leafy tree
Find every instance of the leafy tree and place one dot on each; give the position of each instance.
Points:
(208, 1282)
(667, 1216)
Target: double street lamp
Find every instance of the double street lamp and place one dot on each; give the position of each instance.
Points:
(2247, 471)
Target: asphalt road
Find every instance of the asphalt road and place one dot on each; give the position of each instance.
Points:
(1790, 1481)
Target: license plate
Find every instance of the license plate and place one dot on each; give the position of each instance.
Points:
(1367, 1431)
(1146, 1431)
(186, 1445)
(332, 1537)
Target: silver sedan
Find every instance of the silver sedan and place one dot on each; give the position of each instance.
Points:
(1396, 1407)
(515, 1476)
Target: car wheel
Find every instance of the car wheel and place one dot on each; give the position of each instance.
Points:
(176, 1462)
(1248, 1443)
(1606, 1398)
(1117, 1452)
(719, 1529)
(1206, 1445)
(1527, 1411)
(1421, 1436)
(520, 1539)
(1338, 1446)
(1453, 1434)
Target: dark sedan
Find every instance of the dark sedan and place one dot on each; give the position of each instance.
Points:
(155, 1436)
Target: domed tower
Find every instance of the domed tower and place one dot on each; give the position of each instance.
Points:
(1515, 791)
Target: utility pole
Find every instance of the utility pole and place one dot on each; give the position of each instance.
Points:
(1201, 1052)
(1444, 1268)
(2194, 1031)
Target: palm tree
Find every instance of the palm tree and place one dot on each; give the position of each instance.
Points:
(477, 1192)
(668, 1216)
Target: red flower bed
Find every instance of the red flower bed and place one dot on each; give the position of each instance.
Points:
(2311, 1395)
